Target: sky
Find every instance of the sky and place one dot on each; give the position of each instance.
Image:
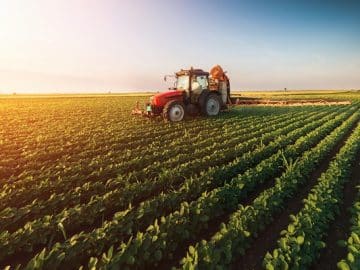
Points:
(77, 46)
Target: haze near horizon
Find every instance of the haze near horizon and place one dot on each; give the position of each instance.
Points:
(99, 46)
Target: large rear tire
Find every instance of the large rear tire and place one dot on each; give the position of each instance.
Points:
(174, 111)
(212, 105)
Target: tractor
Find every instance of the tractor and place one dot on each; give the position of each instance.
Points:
(195, 92)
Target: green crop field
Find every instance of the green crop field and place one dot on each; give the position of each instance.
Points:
(86, 184)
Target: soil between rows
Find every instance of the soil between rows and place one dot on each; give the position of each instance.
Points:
(267, 239)
(340, 228)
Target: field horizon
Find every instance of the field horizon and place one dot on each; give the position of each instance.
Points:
(149, 93)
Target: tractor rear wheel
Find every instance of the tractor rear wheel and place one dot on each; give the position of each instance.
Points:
(212, 105)
(174, 111)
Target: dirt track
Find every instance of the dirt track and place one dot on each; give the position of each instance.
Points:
(295, 102)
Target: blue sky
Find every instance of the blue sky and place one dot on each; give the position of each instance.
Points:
(97, 46)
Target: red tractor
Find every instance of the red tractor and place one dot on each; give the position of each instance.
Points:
(195, 92)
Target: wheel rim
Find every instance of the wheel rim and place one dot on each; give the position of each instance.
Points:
(176, 113)
(212, 106)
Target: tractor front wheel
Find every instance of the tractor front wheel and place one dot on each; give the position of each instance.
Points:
(174, 111)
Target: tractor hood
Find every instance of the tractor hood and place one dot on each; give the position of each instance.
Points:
(164, 97)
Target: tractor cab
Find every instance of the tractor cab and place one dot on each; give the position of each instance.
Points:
(194, 92)
(192, 82)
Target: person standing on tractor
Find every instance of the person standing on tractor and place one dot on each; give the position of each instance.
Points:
(198, 84)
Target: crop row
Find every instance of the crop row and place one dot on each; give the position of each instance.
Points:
(93, 243)
(161, 240)
(86, 148)
(12, 217)
(41, 231)
(99, 187)
(24, 192)
(135, 135)
(352, 244)
(83, 193)
(86, 156)
(130, 165)
(301, 242)
(234, 237)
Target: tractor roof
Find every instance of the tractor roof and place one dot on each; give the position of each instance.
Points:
(192, 71)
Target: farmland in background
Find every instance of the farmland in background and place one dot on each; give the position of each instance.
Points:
(84, 183)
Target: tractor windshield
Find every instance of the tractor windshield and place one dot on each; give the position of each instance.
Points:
(183, 82)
